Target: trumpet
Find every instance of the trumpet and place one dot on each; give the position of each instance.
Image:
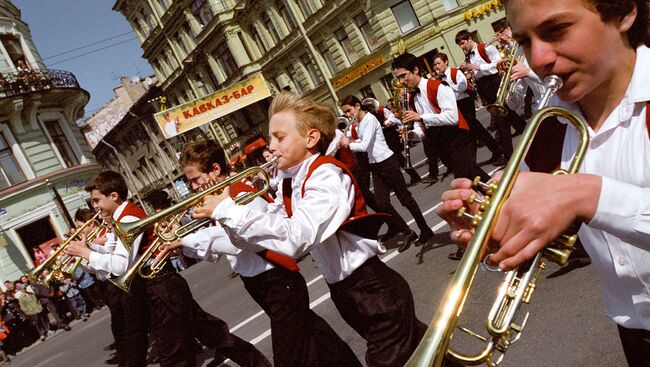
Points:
(400, 98)
(58, 264)
(506, 88)
(518, 284)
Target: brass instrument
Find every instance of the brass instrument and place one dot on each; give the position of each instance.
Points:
(59, 263)
(400, 99)
(343, 123)
(506, 88)
(164, 225)
(519, 284)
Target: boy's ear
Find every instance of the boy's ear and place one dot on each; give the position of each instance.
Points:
(216, 168)
(628, 20)
(313, 137)
(113, 196)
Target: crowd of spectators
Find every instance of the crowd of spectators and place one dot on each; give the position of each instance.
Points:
(24, 80)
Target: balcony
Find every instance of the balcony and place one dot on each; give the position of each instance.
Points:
(31, 81)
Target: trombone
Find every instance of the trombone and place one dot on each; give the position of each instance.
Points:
(164, 223)
(400, 99)
(518, 284)
(59, 263)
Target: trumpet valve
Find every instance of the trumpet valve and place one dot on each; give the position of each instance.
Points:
(489, 189)
(567, 241)
(476, 218)
(483, 202)
(556, 255)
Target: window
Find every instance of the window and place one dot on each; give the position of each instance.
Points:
(450, 4)
(242, 39)
(38, 234)
(311, 69)
(368, 32)
(271, 27)
(367, 92)
(61, 142)
(258, 40)
(293, 74)
(346, 43)
(202, 12)
(284, 12)
(181, 44)
(10, 173)
(164, 4)
(327, 56)
(225, 59)
(405, 16)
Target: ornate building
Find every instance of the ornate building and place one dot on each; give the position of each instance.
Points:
(42, 151)
(322, 48)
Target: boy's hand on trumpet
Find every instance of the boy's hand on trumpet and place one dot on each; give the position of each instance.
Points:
(209, 203)
(78, 248)
(168, 247)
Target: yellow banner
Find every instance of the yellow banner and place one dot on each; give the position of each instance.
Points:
(187, 116)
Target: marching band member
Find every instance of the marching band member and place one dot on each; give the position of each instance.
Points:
(386, 176)
(434, 106)
(300, 338)
(611, 199)
(318, 211)
(458, 83)
(483, 59)
(174, 317)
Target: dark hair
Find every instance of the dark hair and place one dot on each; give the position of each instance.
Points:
(351, 100)
(159, 199)
(407, 61)
(83, 215)
(500, 25)
(204, 154)
(463, 35)
(107, 182)
(442, 56)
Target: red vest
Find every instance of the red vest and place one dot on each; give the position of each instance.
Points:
(135, 211)
(274, 258)
(432, 95)
(359, 221)
(483, 53)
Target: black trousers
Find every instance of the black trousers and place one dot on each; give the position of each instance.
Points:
(476, 129)
(378, 304)
(457, 150)
(386, 176)
(636, 345)
(129, 323)
(431, 152)
(488, 86)
(395, 144)
(300, 338)
(361, 172)
(176, 319)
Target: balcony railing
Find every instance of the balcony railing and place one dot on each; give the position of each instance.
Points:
(23, 82)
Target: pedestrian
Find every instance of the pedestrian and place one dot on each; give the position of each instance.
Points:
(72, 292)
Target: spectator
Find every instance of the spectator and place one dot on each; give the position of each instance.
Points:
(72, 292)
(22, 333)
(39, 255)
(47, 295)
(4, 334)
(32, 309)
(89, 289)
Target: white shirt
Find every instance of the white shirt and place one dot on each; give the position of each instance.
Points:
(448, 115)
(460, 87)
(618, 237)
(371, 140)
(114, 258)
(213, 242)
(391, 119)
(314, 226)
(485, 68)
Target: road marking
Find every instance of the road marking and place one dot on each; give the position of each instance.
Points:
(326, 296)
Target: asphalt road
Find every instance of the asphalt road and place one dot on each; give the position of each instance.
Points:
(566, 327)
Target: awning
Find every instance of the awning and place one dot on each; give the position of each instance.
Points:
(255, 145)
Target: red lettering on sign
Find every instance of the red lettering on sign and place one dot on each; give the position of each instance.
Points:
(250, 88)
(187, 115)
(196, 111)
(244, 92)
(217, 103)
(236, 94)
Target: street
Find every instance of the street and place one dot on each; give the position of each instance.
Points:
(567, 325)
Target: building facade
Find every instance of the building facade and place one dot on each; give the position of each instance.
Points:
(325, 49)
(42, 151)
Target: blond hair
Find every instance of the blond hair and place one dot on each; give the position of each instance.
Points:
(309, 115)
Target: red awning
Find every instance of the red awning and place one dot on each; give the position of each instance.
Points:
(255, 145)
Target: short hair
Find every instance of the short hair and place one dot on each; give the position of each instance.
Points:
(352, 100)
(107, 182)
(442, 56)
(83, 215)
(609, 10)
(159, 199)
(500, 25)
(203, 154)
(407, 61)
(463, 35)
(309, 115)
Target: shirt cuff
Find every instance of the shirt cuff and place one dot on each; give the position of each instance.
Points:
(484, 67)
(621, 209)
(93, 258)
(228, 213)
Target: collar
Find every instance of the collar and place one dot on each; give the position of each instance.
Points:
(119, 210)
(299, 170)
(423, 85)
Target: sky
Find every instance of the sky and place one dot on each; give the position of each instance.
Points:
(59, 26)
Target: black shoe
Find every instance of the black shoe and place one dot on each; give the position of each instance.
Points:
(455, 255)
(424, 238)
(111, 346)
(112, 360)
(66, 327)
(415, 181)
(387, 237)
(430, 180)
(408, 239)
